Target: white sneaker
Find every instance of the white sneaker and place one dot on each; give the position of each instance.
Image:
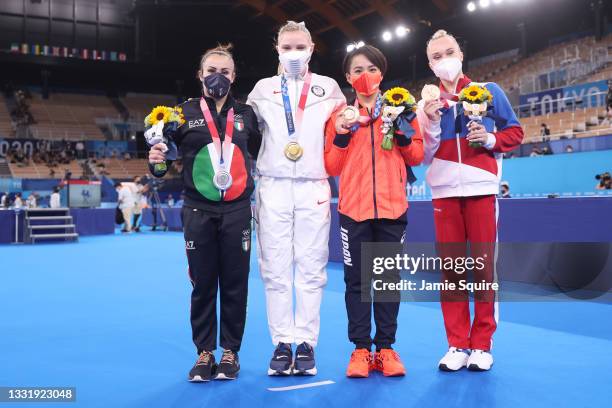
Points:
(480, 360)
(454, 359)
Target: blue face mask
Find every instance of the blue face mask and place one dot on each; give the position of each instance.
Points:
(217, 85)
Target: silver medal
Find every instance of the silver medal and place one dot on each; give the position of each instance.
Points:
(222, 180)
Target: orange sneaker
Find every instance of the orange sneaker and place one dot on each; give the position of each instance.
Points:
(388, 362)
(360, 364)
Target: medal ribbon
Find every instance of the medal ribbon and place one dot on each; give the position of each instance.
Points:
(214, 133)
(365, 120)
(291, 126)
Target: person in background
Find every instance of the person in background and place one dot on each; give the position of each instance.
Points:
(4, 201)
(137, 190)
(545, 132)
(18, 202)
(505, 190)
(181, 200)
(547, 151)
(125, 202)
(535, 152)
(170, 201)
(604, 181)
(569, 149)
(55, 199)
(31, 201)
(79, 148)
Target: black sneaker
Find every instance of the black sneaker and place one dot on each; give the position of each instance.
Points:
(304, 360)
(228, 367)
(204, 368)
(281, 360)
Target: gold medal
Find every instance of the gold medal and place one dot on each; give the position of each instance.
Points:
(293, 151)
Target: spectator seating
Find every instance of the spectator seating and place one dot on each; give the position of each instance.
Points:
(69, 116)
(578, 123)
(33, 170)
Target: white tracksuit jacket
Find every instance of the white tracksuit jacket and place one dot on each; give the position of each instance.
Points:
(292, 209)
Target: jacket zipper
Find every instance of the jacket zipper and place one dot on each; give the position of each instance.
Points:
(373, 168)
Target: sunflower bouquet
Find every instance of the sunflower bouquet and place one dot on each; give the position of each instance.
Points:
(475, 100)
(160, 125)
(396, 102)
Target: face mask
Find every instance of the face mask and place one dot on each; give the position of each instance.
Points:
(294, 62)
(448, 69)
(367, 83)
(217, 85)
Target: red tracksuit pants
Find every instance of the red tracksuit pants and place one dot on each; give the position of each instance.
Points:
(459, 220)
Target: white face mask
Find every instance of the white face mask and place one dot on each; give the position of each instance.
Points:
(294, 62)
(448, 69)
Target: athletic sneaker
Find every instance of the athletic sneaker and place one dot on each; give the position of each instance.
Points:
(454, 359)
(228, 367)
(281, 362)
(360, 364)
(388, 362)
(480, 360)
(304, 360)
(204, 368)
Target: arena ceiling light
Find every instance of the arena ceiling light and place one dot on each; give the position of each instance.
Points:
(471, 6)
(353, 46)
(401, 31)
(387, 36)
(484, 3)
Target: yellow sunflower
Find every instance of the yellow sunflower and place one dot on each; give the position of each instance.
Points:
(159, 113)
(472, 93)
(475, 94)
(398, 96)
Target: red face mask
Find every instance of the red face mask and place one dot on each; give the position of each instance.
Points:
(367, 83)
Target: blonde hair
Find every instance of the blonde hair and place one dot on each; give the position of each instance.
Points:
(291, 26)
(441, 34)
(220, 49)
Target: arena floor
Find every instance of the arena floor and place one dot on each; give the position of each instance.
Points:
(109, 316)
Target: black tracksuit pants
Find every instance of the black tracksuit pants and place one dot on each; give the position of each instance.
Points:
(218, 246)
(358, 308)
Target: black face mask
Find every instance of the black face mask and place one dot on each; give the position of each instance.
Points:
(217, 85)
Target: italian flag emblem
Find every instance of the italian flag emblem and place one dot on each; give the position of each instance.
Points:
(205, 164)
(238, 123)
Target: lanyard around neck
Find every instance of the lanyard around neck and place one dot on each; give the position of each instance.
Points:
(291, 126)
(212, 128)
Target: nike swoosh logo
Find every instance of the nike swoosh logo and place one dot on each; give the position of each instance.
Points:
(301, 356)
(321, 202)
(280, 358)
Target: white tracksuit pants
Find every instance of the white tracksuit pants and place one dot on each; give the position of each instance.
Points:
(293, 232)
